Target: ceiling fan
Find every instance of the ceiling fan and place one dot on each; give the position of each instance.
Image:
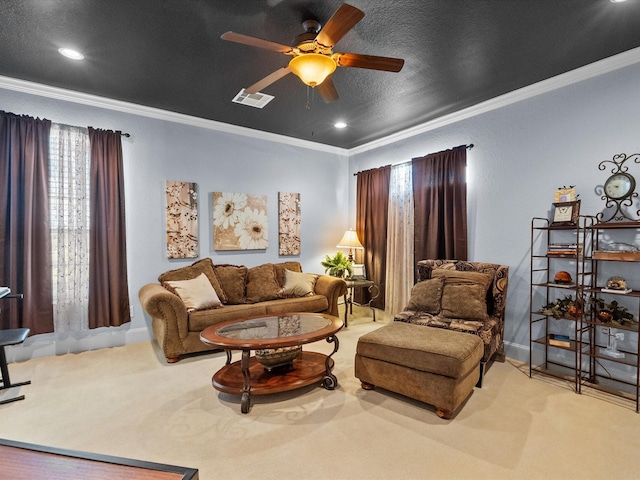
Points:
(313, 58)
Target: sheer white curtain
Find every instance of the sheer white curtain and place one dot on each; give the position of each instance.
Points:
(69, 203)
(399, 239)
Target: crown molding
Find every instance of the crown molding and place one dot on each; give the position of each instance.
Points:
(625, 59)
(57, 93)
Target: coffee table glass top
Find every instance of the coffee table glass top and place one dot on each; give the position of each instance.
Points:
(276, 330)
(274, 327)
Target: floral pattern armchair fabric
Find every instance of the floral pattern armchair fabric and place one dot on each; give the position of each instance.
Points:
(490, 330)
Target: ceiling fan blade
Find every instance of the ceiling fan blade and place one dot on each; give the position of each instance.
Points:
(327, 91)
(268, 80)
(343, 20)
(372, 62)
(255, 42)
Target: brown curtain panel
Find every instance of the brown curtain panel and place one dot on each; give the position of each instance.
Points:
(440, 205)
(372, 205)
(25, 245)
(108, 286)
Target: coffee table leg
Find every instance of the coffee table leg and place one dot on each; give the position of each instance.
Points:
(245, 403)
(330, 381)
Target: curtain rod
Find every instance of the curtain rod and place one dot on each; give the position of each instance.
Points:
(122, 134)
(468, 147)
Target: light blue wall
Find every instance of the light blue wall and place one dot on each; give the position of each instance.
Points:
(218, 161)
(523, 152)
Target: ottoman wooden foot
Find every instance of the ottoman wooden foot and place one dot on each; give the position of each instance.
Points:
(367, 386)
(446, 414)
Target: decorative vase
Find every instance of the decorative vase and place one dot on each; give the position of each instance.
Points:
(575, 311)
(604, 316)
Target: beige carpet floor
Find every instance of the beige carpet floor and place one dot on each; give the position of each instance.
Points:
(126, 401)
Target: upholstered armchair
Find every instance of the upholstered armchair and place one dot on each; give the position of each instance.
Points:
(457, 301)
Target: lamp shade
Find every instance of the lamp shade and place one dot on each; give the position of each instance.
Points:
(350, 240)
(312, 68)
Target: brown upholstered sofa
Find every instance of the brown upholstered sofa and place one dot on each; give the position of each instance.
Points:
(240, 292)
(457, 305)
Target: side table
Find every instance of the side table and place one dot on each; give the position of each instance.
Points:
(373, 289)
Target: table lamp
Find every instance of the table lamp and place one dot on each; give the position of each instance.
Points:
(350, 240)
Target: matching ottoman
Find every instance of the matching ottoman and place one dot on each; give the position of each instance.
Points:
(433, 365)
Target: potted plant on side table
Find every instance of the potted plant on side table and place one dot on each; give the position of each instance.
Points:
(338, 265)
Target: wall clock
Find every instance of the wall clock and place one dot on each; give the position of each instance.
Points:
(619, 186)
(619, 189)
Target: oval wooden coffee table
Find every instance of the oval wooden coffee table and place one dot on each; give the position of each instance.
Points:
(250, 377)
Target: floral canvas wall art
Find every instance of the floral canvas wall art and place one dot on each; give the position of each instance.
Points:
(289, 223)
(182, 219)
(239, 221)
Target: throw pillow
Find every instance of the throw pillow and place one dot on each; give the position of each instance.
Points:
(281, 267)
(232, 279)
(426, 296)
(297, 284)
(197, 293)
(464, 295)
(262, 284)
(455, 277)
(205, 266)
(465, 302)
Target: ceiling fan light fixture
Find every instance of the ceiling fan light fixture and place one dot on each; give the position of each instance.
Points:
(70, 53)
(312, 68)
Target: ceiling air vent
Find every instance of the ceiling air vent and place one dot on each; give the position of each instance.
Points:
(257, 100)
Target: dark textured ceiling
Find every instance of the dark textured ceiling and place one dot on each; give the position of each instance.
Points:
(168, 54)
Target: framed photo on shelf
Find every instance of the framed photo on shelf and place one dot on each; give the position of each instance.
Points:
(565, 194)
(565, 214)
(359, 272)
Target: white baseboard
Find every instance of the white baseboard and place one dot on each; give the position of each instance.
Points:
(48, 345)
(517, 351)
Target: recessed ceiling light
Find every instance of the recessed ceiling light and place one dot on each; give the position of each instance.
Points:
(340, 125)
(70, 53)
(617, 1)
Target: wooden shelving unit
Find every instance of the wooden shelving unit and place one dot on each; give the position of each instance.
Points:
(545, 357)
(616, 376)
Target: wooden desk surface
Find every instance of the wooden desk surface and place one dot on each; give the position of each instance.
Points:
(35, 462)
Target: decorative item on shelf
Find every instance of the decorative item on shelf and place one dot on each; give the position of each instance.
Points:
(564, 250)
(563, 307)
(565, 214)
(271, 358)
(338, 265)
(617, 251)
(612, 343)
(565, 194)
(616, 284)
(563, 278)
(604, 316)
(618, 191)
(559, 340)
(350, 240)
(612, 313)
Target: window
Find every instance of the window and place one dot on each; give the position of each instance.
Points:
(69, 169)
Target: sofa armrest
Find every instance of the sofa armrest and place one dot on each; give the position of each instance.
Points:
(332, 288)
(167, 308)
